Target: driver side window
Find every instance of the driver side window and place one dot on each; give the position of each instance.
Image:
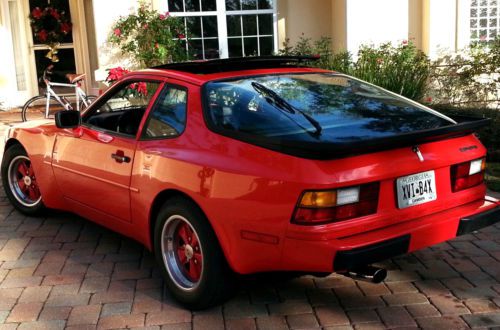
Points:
(123, 111)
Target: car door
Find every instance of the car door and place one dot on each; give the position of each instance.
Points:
(92, 163)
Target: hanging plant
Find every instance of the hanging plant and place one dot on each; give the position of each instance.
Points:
(50, 26)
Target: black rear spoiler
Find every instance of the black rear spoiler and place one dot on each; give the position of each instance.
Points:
(322, 150)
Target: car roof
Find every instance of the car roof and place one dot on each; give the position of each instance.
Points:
(200, 72)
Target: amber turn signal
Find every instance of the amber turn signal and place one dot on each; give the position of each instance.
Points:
(319, 199)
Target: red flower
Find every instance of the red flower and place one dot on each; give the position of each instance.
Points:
(37, 13)
(117, 32)
(181, 36)
(145, 26)
(405, 42)
(141, 88)
(156, 45)
(42, 35)
(65, 28)
(116, 73)
(428, 99)
(164, 16)
(54, 13)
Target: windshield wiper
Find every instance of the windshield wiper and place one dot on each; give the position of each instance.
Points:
(280, 103)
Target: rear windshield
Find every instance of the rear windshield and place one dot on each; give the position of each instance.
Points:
(312, 107)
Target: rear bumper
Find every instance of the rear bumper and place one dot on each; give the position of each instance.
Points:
(370, 247)
(478, 221)
(350, 259)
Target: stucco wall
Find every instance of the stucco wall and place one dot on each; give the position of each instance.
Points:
(312, 18)
(376, 22)
(106, 13)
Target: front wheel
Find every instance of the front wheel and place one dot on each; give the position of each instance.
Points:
(20, 182)
(192, 262)
(36, 106)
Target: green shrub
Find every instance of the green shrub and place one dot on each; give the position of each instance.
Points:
(341, 61)
(468, 78)
(149, 38)
(402, 69)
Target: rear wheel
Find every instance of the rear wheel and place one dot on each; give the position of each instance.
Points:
(191, 259)
(88, 99)
(20, 182)
(35, 108)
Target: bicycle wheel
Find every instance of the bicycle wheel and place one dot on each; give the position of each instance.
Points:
(89, 99)
(35, 108)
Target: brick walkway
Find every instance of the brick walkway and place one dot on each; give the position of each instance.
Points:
(62, 271)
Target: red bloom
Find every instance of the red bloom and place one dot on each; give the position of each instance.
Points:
(141, 88)
(164, 16)
(156, 45)
(145, 26)
(116, 73)
(54, 13)
(428, 99)
(37, 13)
(181, 36)
(117, 32)
(65, 28)
(405, 42)
(42, 35)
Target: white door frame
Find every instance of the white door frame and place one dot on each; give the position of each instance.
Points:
(9, 91)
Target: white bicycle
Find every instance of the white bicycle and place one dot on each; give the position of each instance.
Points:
(44, 106)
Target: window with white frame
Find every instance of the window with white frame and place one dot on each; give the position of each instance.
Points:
(484, 20)
(227, 28)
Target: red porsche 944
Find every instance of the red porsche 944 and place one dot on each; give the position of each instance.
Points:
(239, 166)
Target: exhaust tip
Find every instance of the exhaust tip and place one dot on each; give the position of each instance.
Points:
(367, 273)
(379, 275)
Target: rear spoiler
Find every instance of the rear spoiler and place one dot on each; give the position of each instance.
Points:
(322, 150)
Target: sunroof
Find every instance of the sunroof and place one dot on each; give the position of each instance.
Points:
(239, 63)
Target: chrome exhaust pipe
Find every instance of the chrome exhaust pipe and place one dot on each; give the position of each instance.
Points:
(367, 273)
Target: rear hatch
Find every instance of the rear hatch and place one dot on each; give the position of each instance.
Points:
(322, 115)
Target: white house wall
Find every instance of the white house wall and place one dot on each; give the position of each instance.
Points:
(106, 13)
(442, 26)
(375, 22)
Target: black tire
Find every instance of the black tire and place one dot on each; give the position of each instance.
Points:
(35, 107)
(89, 99)
(21, 188)
(216, 281)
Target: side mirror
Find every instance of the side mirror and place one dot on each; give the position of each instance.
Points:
(68, 119)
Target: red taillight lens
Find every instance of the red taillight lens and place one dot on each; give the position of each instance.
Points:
(310, 211)
(468, 174)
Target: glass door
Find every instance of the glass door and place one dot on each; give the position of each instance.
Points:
(65, 56)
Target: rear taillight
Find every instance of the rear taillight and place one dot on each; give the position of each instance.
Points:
(468, 174)
(319, 207)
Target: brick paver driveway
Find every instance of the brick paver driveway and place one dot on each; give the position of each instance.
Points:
(62, 271)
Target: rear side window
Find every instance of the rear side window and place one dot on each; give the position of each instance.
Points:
(168, 116)
(319, 107)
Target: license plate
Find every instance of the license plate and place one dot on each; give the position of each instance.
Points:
(416, 189)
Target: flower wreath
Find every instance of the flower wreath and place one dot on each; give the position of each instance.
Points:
(50, 26)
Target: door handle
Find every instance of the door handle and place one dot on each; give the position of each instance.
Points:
(120, 157)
